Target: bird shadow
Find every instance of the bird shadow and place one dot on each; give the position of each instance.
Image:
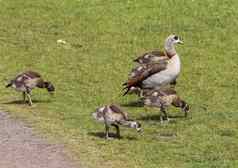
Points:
(111, 135)
(157, 117)
(26, 102)
(133, 104)
(101, 134)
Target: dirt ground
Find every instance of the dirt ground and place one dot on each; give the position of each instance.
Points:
(21, 148)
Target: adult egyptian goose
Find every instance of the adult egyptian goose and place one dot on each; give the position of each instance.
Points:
(113, 115)
(162, 99)
(27, 81)
(156, 69)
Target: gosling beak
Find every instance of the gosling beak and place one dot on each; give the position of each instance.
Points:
(180, 42)
(139, 130)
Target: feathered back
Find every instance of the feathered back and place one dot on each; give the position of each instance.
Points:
(150, 57)
(27, 79)
(116, 109)
(32, 74)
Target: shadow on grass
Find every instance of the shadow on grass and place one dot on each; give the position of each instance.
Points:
(22, 102)
(133, 104)
(111, 135)
(157, 117)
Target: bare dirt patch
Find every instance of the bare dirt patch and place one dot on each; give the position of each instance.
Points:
(21, 148)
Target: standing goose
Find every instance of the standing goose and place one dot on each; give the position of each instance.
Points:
(27, 81)
(112, 115)
(162, 99)
(157, 68)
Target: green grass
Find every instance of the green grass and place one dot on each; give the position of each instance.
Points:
(102, 38)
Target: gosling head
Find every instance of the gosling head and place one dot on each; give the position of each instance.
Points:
(151, 100)
(135, 90)
(136, 125)
(185, 108)
(50, 87)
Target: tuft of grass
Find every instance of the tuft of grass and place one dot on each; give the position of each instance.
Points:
(102, 38)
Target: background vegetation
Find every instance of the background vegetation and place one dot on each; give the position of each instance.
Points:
(102, 37)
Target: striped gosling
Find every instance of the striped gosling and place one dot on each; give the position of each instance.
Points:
(27, 81)
(112, 115)
(162, 99)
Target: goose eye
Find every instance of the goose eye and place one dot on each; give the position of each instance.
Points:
(175, 37)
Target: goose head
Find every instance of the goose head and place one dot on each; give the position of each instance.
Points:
(170, 43)
(173, 40)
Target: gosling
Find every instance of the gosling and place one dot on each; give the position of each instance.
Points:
(27, 81)
(162, 99)
(113, 115)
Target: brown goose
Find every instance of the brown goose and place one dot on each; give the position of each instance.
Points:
(162, 99)
(27, 81)
(113, 115)
(157, 68)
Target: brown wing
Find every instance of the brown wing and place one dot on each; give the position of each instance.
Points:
(137, 70)
(150, 57)
(117, 109)
(145, 72)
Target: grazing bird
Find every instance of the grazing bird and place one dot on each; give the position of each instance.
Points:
(27, 81)
(162, 99)
(112, 115)
(156, 69)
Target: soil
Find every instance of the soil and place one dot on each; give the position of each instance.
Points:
(21, 148)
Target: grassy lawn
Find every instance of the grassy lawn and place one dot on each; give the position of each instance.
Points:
(103, 36)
